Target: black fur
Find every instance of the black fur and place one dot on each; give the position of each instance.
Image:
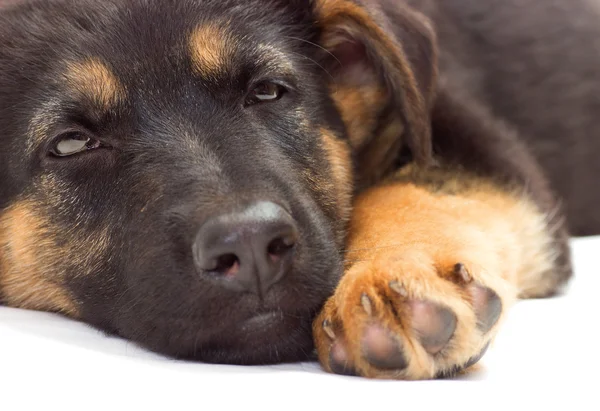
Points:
(184, 148)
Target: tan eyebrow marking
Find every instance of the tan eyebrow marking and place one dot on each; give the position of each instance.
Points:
(211, 48)
(88, 79)
(94, 80)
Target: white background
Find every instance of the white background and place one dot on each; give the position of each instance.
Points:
(546, 356)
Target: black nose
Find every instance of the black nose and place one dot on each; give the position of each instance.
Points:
(248, 250)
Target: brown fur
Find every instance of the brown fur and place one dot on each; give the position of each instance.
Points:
(177, 141)
(344, 24)
(339, 157)
(415, 234)
(27, 249)
(461, 240)
(210, 49)
(531, 67)
(90, 82)
(360, 108)
(93, 81)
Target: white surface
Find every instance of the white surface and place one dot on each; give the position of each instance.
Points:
(545, 356)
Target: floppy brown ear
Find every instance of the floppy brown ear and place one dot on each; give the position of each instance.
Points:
(383, 65)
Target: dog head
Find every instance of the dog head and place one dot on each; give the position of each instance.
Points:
(180, 172)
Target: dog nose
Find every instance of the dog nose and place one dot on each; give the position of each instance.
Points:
(248, 250)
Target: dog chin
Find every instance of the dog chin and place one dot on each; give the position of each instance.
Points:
(267, 338)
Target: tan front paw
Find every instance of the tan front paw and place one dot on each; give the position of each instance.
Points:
(405, 316)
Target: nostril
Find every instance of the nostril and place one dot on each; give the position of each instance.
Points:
(227, 265)
(280, 246)
(249, 249)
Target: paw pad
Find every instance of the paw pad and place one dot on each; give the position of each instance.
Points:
(474, 360)
(433, 324)
(339, 360)
(488, 307)
(410, 328)
(451, 372)
(382, 350)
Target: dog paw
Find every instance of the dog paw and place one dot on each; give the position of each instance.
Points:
(408, 317)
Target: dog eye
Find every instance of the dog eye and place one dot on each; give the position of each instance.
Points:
(265, 92)
(69, 144)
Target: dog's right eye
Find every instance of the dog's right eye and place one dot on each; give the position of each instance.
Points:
(265, 92)
(72, 143)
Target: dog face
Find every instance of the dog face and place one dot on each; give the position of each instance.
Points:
(180, 173)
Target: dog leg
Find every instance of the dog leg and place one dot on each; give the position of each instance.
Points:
(431, 272)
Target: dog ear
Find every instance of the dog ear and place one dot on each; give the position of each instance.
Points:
(382, 61)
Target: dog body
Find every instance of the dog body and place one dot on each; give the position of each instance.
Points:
(181, 173)
(532, 66)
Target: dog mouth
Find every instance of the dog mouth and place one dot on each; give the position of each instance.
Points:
(263, 320)
(266, 338)
(242, 287)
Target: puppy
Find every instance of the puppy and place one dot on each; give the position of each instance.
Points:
(205, 178)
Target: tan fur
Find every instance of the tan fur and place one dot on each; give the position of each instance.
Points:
(338, 154)
(210, 48)
(414, 230)
(87, 80)
(93, 80)
(341, 19)
(383, 102)
(379, 153)
(532, 255)
(33, 261)
(360, 107)
(27, 250)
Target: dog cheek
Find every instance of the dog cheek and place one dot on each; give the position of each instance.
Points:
(30, 277)
(340, 180)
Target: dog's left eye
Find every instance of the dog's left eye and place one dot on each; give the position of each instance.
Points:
(69, 144)
(265, 92)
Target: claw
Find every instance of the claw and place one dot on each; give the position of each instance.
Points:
(328, 329)
(366, 303)
(462, 273)
(399, 288)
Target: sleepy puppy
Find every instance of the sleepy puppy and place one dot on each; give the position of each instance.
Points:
(243, 181)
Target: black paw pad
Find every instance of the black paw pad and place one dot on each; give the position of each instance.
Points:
(433, 324)
(475, 359)
(338, 360)
(488, 307)
(382, 349)
(451, 372)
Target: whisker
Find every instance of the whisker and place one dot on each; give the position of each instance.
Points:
(352, 250)
(316, 45)
(357, 261)
(308, 58)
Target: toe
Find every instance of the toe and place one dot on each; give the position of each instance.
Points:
(339, 361)
(434, 325)
(475, 359)
(487, 306)
(382, 349)
(451, 372)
